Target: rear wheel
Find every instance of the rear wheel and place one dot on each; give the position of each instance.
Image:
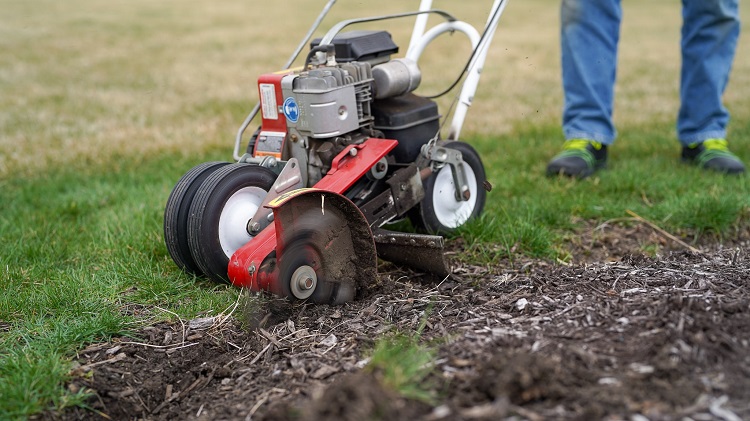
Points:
(223, 205)
(176, 215)
(440, 211)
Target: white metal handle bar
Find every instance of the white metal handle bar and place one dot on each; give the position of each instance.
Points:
(480, 44)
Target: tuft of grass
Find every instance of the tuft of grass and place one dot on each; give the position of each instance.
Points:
(702, 214)
(20, 386)
(493, 238)
(403, 364)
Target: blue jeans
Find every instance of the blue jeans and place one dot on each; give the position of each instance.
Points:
(590, 32)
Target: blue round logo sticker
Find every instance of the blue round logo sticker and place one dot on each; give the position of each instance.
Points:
(291, 110)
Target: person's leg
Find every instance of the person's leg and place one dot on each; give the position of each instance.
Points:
(589, 34)
(709, 39)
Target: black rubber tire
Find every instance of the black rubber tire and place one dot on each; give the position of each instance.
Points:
(206, 212)
(301, 251)
(176, 215)
(425, 216)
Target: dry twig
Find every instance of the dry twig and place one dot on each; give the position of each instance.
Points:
(663, 232)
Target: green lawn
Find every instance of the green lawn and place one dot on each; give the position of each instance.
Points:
(105, 105)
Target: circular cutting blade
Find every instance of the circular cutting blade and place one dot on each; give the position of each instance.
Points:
(327, 233)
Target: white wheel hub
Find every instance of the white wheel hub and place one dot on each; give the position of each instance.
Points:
(235, 215)
(451, 212)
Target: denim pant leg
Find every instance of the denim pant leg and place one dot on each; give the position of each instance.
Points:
(709, 39)
(590, 32)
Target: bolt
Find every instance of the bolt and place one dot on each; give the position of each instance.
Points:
(251, 269)
(306, 282)
(353, 151)
(487, 185)
(467, 194)
(294, 138)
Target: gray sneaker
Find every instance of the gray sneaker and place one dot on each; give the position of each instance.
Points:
(579, 158)
(713, 154)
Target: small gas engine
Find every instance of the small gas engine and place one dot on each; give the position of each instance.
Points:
(356, 93)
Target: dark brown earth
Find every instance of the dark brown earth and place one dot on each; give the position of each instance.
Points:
(613, 335)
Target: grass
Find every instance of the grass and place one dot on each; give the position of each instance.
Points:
(104, 107)
(402, 364)
(82, 260)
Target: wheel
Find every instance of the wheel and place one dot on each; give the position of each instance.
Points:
(440, 212)
(223, 205)
(302, 271)
(176, 215)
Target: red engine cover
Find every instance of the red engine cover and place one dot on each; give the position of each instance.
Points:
(273, 127)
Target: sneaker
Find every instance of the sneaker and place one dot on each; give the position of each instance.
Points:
(580, 158)
(713, 154)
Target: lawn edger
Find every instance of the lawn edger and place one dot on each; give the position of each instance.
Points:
(344, 147)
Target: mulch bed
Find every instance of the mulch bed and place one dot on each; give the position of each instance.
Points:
(636, 337)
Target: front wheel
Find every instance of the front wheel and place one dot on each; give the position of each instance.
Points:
(176, 214)
(440, 212)
(221, 209)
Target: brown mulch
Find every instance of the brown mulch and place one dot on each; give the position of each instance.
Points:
(619, 337)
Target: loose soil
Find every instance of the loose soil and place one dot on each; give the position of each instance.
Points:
(613, 335)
